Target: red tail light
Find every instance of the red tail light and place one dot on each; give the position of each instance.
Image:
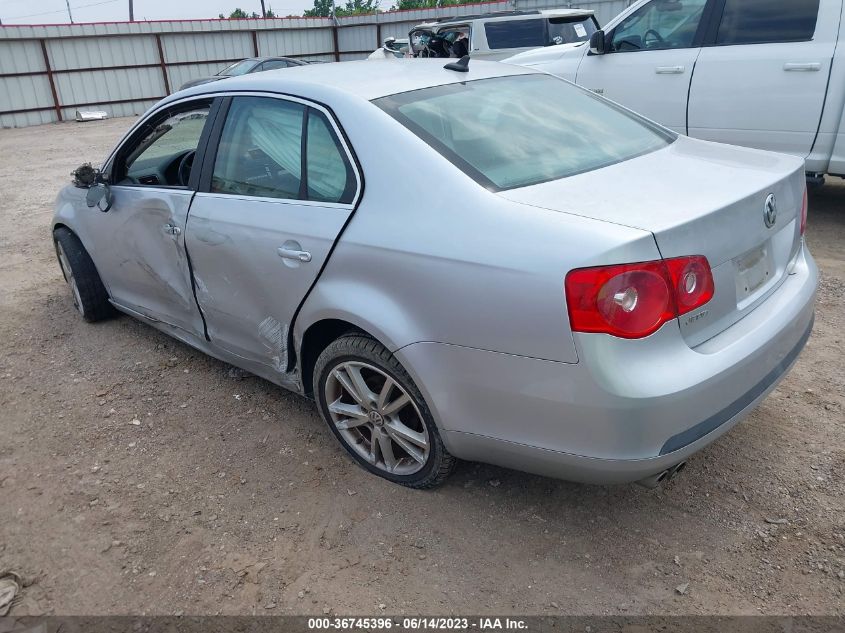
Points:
(634, 300)
(804, 212)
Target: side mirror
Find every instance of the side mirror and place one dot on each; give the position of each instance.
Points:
(84, 176)
(597, 41)
(99, 195)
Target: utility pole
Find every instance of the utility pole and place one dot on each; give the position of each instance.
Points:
(131, 11)
(263, 10)
(69, 14)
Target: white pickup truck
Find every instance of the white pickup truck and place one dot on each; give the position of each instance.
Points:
(762, 73)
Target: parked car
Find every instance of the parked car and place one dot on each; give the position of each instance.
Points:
(759, 73)
(583, 294)
(246, 66)
(497, 35)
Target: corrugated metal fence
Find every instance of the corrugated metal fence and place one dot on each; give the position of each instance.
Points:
(47, 72)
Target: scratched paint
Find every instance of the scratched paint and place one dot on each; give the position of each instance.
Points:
(274, 336)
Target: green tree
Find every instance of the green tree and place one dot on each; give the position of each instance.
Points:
(415, 4)
(270, 13)
(240, 13)
(323, 8)
(428, 4)
(354, 7)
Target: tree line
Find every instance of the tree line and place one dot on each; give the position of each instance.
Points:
(323, 8)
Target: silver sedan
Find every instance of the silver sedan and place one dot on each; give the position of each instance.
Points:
(484, 263)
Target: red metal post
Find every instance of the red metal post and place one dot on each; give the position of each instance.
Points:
(52, 82)
(336, 44)
(162, 64)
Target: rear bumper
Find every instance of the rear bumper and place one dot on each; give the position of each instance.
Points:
(628, 409)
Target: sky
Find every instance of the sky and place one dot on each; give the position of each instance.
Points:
(55, 11)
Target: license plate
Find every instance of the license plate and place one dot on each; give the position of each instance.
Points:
(753, 271)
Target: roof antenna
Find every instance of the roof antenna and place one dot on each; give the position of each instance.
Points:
(461, 66)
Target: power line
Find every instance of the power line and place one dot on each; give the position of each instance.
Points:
(82, 6)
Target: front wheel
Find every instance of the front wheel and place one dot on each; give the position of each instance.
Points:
(89, 294)
(377, 413)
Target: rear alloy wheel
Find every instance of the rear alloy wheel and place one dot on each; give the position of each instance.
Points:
(374, 409)
(89, 294)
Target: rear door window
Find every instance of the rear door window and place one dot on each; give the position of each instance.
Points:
(329, 173)
(261, 153)
(515, 33)
(761, 21)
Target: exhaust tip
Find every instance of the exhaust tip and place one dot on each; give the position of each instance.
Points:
(663, 477)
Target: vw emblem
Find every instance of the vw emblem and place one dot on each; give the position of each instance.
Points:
(770, 211)
(375, 418)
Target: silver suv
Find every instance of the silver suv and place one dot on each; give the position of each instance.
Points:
(494, 36)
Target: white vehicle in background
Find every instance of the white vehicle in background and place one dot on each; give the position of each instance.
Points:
(493, 36)
(393, 48)
(760, 73)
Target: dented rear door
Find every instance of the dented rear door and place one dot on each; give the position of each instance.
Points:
(270, 208)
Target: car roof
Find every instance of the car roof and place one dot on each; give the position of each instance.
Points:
(503, 16)
(364, 79)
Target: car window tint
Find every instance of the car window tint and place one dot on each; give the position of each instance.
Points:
(274, 64)
(659, 25)
(329, 174)
(516, 131)
(154, 160)
(758, 21)
(515, 33)
(260, 150)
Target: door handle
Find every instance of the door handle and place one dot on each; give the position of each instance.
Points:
(669, 70)
(807, 67)
(170, 229)
(289, 253)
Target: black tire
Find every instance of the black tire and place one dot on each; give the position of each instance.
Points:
(358, 348)
(89, 294)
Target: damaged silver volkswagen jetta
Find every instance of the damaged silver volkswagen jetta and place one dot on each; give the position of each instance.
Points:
(544, 281)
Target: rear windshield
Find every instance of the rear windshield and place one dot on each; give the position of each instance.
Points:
(509, 132)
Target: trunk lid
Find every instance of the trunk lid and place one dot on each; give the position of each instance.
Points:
(698, 198)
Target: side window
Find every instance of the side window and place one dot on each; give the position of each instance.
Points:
(273, 64)
(566, 30)
(515, 33)
(260, 150)
(659, 25)
(260, 153)
(760, 21)
(330, 176)
(164, 155)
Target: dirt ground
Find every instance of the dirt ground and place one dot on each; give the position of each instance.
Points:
(230, 496)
